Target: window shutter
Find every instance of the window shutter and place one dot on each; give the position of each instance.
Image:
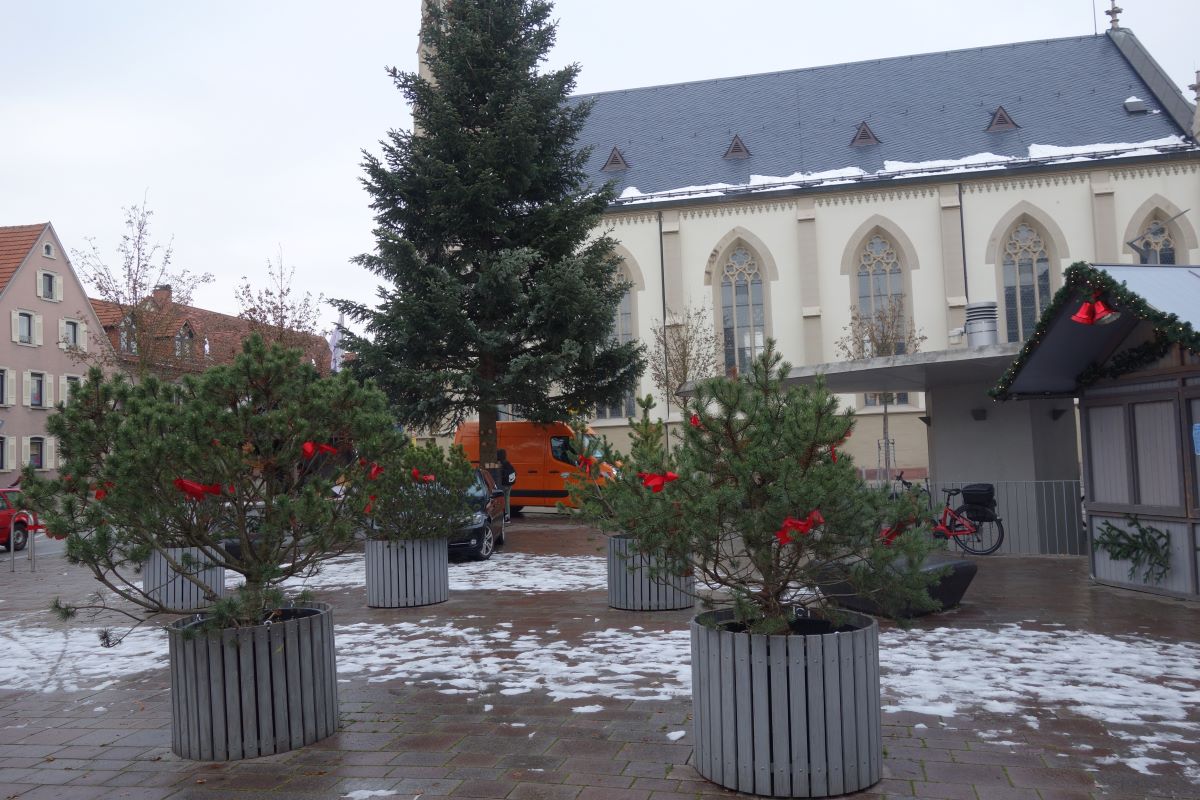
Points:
(64, 390)
(10, 384)
(47, 391)
(58, 287)
(49, 452)
(39, 283)
(24, 450)
(83, 337)
(16, 326)
(37, 329)
(62, 334)
(25, 383)
(10, 453)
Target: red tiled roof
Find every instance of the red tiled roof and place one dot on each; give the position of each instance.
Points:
(15, 243)
(224, 333)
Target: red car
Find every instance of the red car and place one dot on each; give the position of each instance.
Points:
(15, 524)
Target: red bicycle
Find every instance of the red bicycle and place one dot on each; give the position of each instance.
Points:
(973, 526)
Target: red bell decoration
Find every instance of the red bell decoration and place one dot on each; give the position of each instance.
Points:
(1086, 315)
(1103, 312)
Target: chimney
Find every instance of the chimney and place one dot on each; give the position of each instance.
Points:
(161, 296)
(981, 324)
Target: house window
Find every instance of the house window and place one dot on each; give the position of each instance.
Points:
(37, 389)
(37, 452)
(1155, 245)
(622, 333)
(71, 333)
(875, 399)
(48, 250)
(73, 383)
(1026, 281)
(48, 286)
(4, 465)
(183, 342)
(127, 337)
(743, 317)
(25, 327)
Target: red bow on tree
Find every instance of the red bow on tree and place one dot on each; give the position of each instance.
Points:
(370, 504)
(101, 494)
(428, 478)
(655, 482)
(196, 491)
(833, 447)
(374, 472)
(800, 526)
(309, 449)
(695, 421)
(587, 462)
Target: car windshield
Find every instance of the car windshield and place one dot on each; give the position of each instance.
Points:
(478, 490)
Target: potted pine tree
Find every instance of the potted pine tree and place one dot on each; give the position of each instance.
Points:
(639, 579)
(261, 467)
(419, 505)
(756, 499)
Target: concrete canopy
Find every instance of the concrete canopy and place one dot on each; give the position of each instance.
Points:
(918, 372)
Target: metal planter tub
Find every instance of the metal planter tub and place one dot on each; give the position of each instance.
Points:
(787, 716)
(175, 591)
(410, 572)
(633, 587)
(247, 692)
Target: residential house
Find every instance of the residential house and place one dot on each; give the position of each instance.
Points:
(170, 339)
(50, 335)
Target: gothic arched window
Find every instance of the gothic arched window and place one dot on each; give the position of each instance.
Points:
(1155, 245)
(743, 315)
(880, 276)
(622, 333)
(1026, 281)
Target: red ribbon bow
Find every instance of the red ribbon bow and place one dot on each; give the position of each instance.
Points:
(101, 494)
(655, 482)
(310, 449)
(374, 472)
(370, 504)
(417, 476)
(587, 462)
(695, 421)
(800, 526)
(196, 491)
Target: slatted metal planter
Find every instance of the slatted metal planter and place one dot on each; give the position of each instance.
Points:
(412, 572)
(632, 585)
(787, 716)
(248, 692)
(165, 585)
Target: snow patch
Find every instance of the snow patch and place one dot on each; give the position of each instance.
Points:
(587, 709)
(675, 736)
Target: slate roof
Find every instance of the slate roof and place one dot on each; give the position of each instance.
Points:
(15, 243)
(926, 107)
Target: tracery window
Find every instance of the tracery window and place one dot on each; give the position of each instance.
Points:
(622, 333)
(1155, 245)
(743, 315)
(1026, 281)
(880, 276)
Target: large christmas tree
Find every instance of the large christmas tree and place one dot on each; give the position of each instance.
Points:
(500, 292)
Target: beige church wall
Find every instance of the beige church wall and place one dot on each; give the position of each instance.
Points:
(910, 220)
(1169, 188)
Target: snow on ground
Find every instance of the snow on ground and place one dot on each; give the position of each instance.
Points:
(621, 664)
(71, 658)
(504, 572)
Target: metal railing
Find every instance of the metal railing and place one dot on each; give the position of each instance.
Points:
(1040, 517)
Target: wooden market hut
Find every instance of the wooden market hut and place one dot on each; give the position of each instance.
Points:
(1124, 341)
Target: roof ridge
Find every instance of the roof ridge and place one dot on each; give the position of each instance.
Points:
(815, 68)
(28, 227)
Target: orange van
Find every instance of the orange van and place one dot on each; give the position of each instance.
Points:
(539, 453)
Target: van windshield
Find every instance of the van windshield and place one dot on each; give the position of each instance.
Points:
(562, 448)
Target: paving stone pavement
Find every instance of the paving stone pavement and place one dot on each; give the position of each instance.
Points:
(406, 737)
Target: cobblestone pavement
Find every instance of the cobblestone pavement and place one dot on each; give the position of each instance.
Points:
(410, 734)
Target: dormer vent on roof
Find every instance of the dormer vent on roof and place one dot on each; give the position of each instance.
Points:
(616, 162)
(864, 136)
(737, 149)
(1001, 121)
(1135, 105)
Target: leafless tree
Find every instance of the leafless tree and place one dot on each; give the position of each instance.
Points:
(684, 350)
(142, 301)
(888, 331)
(278, 314)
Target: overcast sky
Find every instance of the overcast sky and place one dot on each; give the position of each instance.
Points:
(242, 121)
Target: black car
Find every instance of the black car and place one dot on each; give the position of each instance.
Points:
(483, 532)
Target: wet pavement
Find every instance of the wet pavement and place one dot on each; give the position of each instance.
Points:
(487, 729)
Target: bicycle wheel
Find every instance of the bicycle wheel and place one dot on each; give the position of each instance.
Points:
(988, 535)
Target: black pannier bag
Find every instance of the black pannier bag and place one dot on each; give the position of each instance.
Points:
(981, 501)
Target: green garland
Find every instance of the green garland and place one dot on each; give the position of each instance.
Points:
(1145, 548)
(1081, 281)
